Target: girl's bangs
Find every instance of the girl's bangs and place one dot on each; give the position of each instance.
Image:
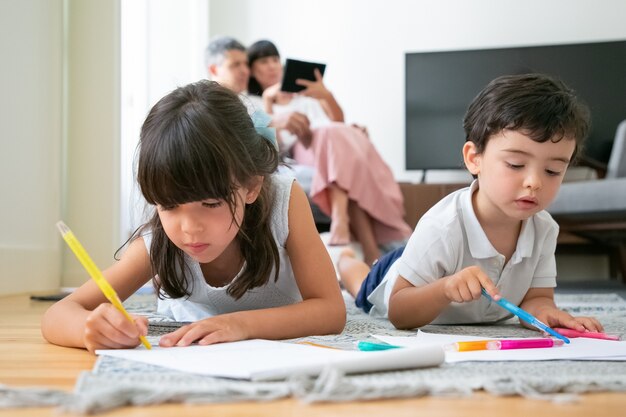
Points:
(185, 173)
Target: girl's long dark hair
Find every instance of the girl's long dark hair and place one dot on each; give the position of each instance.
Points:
(198, 143)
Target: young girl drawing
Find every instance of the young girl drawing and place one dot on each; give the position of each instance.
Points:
(231, 247)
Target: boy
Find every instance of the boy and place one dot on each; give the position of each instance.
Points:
(522, 132)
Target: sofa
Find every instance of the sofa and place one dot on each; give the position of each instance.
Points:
(595, 210)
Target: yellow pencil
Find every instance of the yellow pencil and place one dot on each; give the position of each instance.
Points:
(95, 273)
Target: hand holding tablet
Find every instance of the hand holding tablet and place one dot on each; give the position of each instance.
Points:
(295, 70)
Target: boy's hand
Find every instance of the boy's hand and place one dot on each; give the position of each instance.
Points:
(554, 317)
(466, 284)
(107, 328)
(225, 328)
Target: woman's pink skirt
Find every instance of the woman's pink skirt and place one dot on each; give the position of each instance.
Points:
(344, 156)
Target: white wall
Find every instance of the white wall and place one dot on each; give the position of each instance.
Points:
(364, 42)
(31, 40)
(59, 125)
(93, 134)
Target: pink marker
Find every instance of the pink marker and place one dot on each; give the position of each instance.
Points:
(592, 335)
(544, 342)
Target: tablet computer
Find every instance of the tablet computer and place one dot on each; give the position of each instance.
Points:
(295, 69)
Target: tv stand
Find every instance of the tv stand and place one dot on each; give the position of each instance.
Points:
(420, 197)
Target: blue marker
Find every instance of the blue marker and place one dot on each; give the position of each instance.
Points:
(369, 346)
(524, 315)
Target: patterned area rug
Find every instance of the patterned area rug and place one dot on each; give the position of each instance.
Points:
(115, 382)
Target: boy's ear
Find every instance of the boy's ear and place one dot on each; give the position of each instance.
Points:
(471, 157)
(254, 189)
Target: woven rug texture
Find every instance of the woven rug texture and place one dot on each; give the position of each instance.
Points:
(126, 382)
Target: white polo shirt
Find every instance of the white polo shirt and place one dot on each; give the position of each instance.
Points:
(449, 238)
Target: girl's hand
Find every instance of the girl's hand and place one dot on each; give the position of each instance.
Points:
(107, 328)
(554, 317)
(224, 328)
(466, 284)
(315, 89)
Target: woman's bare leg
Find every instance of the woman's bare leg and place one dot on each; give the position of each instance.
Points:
(361, 226)
(352, 271)
(339, 218)
(347, 216)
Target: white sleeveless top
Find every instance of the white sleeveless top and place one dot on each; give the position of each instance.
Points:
(206, 301)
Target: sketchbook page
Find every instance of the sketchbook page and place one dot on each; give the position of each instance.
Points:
(577, 349)
(268, 360)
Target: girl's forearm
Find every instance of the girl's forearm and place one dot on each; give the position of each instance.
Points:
(64, 324)
(309, 317)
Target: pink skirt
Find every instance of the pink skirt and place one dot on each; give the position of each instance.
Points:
(344, 156)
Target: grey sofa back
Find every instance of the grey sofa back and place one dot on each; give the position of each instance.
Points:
(616, 167)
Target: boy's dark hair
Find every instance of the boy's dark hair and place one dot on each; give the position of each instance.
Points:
(199, 143)
(538, 105)
(216, 50)
(259, 49)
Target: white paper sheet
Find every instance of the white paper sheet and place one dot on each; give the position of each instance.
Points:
(578, 349)
(268, 360)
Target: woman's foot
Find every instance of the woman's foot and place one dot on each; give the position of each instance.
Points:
(339, 233)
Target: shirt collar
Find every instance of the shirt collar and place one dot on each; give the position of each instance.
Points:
(525, 241)
(477, 241)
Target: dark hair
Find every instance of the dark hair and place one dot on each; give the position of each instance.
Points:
(540, 106)
(216, 50)
(259, 49)
(199, 143)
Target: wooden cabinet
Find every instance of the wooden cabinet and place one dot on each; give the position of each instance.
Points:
(418, 198)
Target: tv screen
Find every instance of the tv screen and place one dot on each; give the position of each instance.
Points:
(440, 86)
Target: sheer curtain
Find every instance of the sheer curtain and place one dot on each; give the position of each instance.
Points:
(162, 48)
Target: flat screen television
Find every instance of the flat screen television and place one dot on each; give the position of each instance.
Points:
(440, 86)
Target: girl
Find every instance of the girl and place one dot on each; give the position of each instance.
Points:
(351, 182)
(231, 247)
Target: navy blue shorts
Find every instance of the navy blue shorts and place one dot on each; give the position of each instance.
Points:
(374, 278)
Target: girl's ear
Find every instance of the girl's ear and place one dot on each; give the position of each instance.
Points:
(471, 157)
(254, 189)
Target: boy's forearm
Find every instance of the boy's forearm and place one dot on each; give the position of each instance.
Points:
(537, 306)
(413, 307)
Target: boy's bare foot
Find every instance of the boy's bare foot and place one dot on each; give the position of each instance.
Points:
(352, 271)
(346, 253)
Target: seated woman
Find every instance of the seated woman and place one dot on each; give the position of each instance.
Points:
(351, 182)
